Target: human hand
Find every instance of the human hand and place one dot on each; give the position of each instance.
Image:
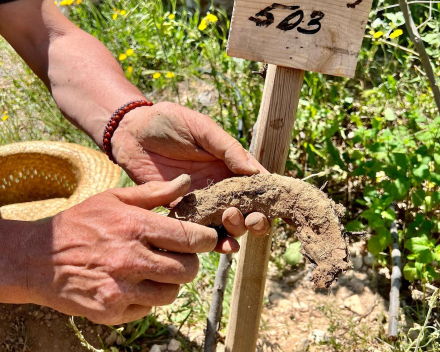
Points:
(110, 259)
(163, 141)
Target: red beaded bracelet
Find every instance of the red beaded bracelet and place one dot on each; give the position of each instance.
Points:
(114, 123)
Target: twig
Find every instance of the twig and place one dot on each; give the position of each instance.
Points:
(396, 275)
(420, 47)
(215, 311)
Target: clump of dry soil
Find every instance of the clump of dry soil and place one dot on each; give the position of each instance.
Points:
(315, 216)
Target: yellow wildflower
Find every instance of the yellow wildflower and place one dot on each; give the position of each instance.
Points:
(378, 34)
(55, 2)
(203, 25)
(170, 74)
(122, 57)
(70, 2)
(115, 16)
(157, 75)
(211, 18)
(123, 12)
(5, 117)
(129, 52)
(64, 3)
(1, 64)
(172, 16)
(396, 33)
(129, 69)
(78, 2)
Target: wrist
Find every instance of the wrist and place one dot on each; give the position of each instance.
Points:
(15, 264)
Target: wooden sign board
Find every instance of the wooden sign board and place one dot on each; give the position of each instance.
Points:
(312, 35)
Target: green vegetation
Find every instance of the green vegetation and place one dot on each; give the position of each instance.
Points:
(374, 139)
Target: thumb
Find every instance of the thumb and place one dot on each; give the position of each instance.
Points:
(219, 143)
(153, 194)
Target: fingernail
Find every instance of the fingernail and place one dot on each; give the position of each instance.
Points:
(259, 225)
(234, 219)
(250, 162)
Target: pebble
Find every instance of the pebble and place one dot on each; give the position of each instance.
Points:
(285, 304)
(274, 297)
(357, 263)
(174, 345)
(48, 316)
(369, 260)
(354, 304)
(120, 340)
(303, 345)
(172, 330)
(318, 336)
(301, 306)
(111, 339)
(99, 330)
(155, 348)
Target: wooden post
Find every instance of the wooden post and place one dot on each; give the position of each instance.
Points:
(304, 35)
(275, 125)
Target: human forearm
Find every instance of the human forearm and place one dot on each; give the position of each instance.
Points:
(82, 75)
(13, 268)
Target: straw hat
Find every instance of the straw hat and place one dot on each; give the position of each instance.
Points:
(41, 179)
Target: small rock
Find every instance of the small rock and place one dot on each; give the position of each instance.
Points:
(155, 348)
(111, 339)
(40, 315)
(369, 260)
(99, 330)
(163, 347)
(274, 297)
(343, 292)
(172, 330)
(417, 295)
(296, 277)
(357, 263)
(285, 304)
(120, 340)
(174, 345)
(303, 345)
(357, 285)
(385, 272)
(354, 304)
(318, 336)
(48, 316)
(301, 306)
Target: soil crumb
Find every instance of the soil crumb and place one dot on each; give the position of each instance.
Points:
(315, 216)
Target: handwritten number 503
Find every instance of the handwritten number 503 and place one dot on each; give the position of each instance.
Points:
(286, 25)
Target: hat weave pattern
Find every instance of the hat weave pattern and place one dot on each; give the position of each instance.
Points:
(41, 179)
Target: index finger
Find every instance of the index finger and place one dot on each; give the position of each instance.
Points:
(178, 236)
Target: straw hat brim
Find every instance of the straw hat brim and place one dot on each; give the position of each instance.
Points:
(41, 179)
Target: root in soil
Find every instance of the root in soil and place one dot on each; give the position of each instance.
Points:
(315, 216)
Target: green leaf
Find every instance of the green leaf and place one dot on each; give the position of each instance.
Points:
(388, 214)
(418, 197)
(417, 244)
(425, 256)
(389, 114)
(410, 272)
(399, 188)
(292, 254)
(421, 172)
(379, 242)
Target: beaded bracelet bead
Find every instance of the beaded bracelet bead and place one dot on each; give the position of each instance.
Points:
(114, 121)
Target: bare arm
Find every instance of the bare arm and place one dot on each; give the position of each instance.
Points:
(85, 80)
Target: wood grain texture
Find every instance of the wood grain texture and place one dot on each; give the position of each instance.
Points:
(333, 50)
(275, 125)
